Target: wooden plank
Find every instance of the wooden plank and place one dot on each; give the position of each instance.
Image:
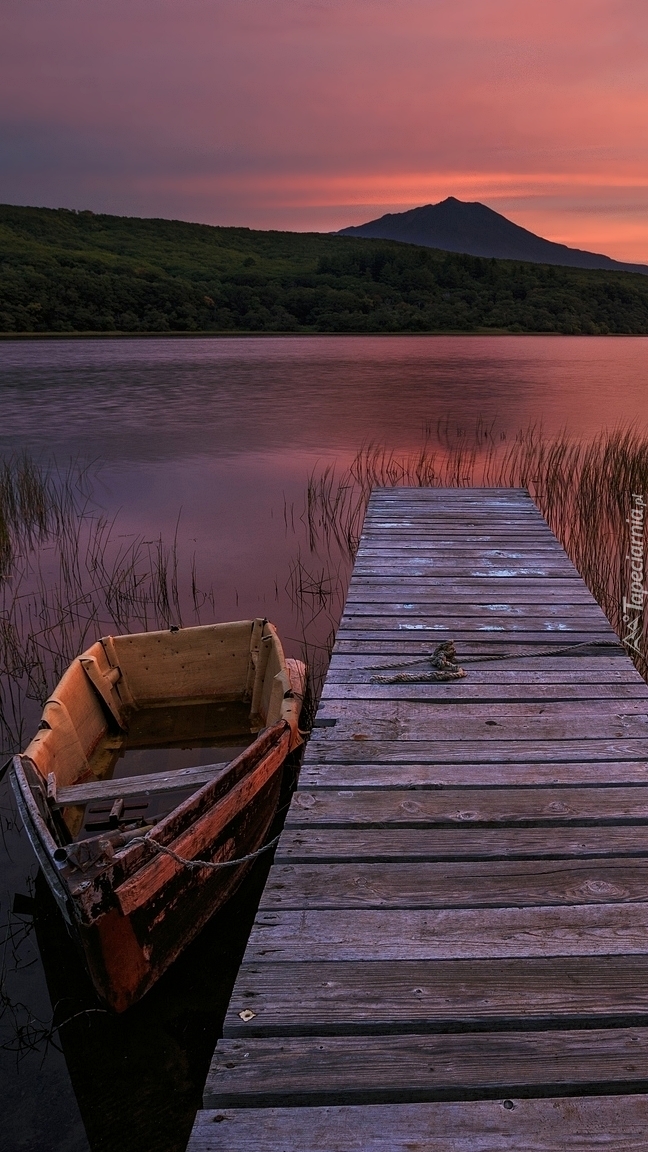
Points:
(452, 557)
(466, 614)
(449, 624)
(449, 554)
(473, 774)
(376, 1069)
(469, 610)
(443, 593)
(510, 723)
(456, 885)
(364, 748)
(443, 716)
(528, 617)
(388, 589)
(427, 499)
(403, 996)
(389, 845)
(412, 534)
(484, 514)
(605, 1123)
(440, 595)
(443, 546)
(400, 642)
(449, 934)
(495, 573)
(154, 782)
(349, 687)
(495, 806)
(569, 669)
(462, 582)
(409, 548)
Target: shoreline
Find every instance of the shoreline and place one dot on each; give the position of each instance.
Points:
(239, 333)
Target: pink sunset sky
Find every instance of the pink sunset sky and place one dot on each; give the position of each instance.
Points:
(315, 114)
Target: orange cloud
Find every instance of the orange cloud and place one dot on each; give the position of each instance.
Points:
(319, 113)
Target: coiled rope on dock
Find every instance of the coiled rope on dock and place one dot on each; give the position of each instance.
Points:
(445, 665)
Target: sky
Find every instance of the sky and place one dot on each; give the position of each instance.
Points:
(316, 114)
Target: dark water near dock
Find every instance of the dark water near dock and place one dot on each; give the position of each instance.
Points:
(212, 441)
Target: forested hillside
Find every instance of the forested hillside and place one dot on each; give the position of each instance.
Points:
(64, 271)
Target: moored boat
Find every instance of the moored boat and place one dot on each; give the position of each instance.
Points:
(128, 882)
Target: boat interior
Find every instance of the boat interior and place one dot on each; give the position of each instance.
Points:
(139, 722)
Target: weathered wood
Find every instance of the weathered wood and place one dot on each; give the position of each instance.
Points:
(496, 806)
(447, 934)
(357, 686)
(140, 888)
(387, 845)
(398, 642)
(364, 747)
(461, 626)
(154, 782)
(438, 555)
(607, 671)
(459, 584)
(443, 717)
(455, 885)
(411, 723)
(458, 906)
(540, 569)
(375, 1069)
(368, 605)
(416, 535)
(462, 590)
(473, 774)
(408, 996)
(605, 1123)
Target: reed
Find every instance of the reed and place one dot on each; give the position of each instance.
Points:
(583, 488)
(70, 576)
(316, 587)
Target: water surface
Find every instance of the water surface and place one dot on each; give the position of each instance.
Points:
(212, 440)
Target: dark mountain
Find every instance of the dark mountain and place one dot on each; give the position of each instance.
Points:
(457, 226)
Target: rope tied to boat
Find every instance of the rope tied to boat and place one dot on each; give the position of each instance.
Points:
(211, 864)
(445, 664)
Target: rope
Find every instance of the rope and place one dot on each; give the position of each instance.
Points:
(212, 864)
(443, 663)
(445, 666)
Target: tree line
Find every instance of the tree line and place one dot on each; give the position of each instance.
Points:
(65, 271)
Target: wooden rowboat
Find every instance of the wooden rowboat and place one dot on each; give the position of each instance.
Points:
(124, 882)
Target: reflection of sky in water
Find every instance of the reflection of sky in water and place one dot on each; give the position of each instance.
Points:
(225, 433)
(163, 398)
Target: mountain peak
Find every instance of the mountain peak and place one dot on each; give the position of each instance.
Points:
(469, 226)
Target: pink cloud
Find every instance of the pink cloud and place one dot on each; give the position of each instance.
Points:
(304, 113)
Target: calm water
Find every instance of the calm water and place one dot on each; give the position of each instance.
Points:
(214, 440)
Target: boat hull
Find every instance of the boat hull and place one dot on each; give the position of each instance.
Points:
(134, 894)
(125, 955)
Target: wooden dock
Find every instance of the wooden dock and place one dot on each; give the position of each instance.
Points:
(451, 953)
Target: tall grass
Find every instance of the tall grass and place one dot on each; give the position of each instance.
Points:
(70, 576)
(67, 575)
(583, 489)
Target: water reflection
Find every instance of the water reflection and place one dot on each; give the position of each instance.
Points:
(138, 1077)
(225, 433)
(163, 399)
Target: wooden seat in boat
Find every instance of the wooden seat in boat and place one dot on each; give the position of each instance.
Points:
(138, 785)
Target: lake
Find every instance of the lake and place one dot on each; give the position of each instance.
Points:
(211, 442)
